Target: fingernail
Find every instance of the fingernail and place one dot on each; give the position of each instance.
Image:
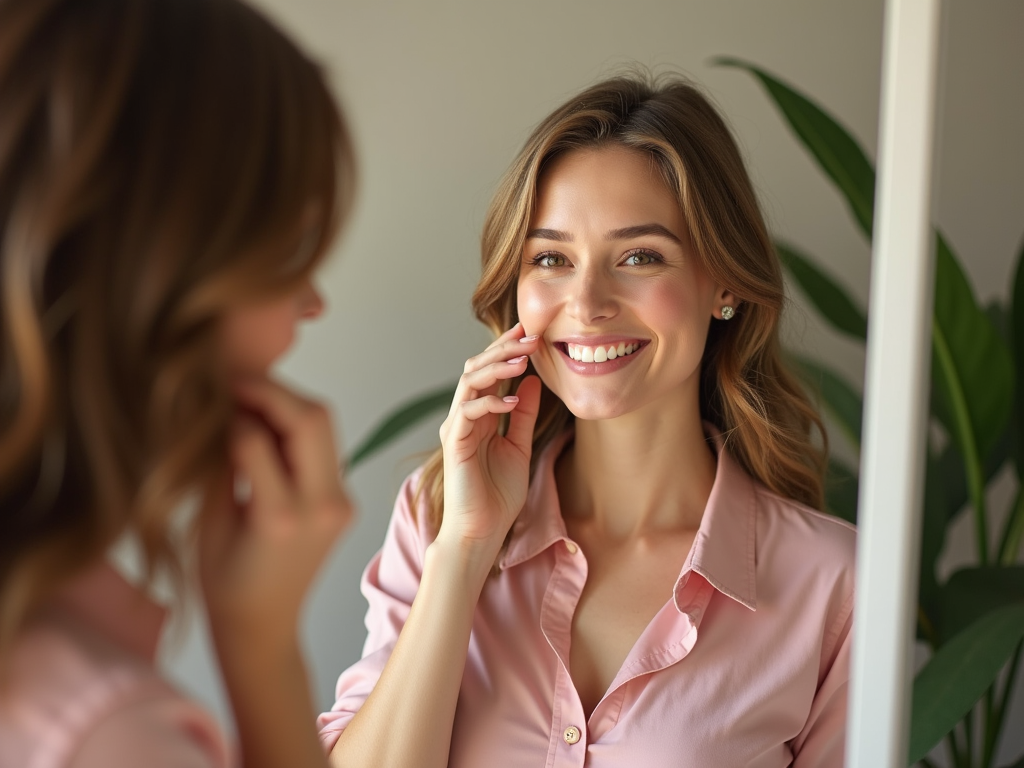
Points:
(517, 360)
(527, 339)
(511, 399)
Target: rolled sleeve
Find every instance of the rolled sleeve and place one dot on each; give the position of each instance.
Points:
(389, 585)
(822, 742)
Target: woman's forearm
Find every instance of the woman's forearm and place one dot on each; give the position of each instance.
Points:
(272, 707)
(407, 719)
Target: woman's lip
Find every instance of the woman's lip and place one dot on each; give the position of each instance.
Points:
(598, 341)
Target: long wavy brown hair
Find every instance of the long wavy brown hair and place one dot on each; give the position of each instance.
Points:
(767, 420)
(161, 162)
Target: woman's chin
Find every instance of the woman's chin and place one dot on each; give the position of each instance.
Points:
(597, 410)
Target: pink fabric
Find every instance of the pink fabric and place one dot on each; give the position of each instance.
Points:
(746, 664)
(81, 691)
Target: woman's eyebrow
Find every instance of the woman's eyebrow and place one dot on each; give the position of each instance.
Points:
(549, 234)
(625, 233)
(642, 229)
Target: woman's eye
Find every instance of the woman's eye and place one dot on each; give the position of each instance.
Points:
(549, 260)
(640, 258)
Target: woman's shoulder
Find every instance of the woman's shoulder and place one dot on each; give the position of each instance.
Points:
(799, 539)
(66, 688)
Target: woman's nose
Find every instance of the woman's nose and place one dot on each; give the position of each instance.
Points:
(593, 297)
(311, 303)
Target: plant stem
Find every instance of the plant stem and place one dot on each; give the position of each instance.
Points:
(954, 749)
(968, 446)
(968, 722)
(988, 728)
(999, 714)
(1013, 533)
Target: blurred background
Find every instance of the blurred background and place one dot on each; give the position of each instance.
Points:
(441, 95)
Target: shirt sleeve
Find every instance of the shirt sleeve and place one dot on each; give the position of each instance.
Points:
(822, 742)
(389, 585)
(159, 732)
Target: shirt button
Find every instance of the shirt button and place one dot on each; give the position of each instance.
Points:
(573, 549)
(571, 735)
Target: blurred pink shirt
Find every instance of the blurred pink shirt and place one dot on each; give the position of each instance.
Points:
(746, 664)
(82, 691)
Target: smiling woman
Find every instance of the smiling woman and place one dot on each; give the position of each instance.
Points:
(622, 562)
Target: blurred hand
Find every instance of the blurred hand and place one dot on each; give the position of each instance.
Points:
(260, 549)
(486, 474)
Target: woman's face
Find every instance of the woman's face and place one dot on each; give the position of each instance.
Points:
(254, 336)
(610, 281)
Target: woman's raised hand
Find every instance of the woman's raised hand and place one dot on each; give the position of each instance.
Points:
(260, 553)
(486, 474)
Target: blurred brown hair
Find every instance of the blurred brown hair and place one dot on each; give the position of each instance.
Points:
(161, 161)
(746, 390)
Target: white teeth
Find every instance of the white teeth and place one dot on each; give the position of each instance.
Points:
(584, 354)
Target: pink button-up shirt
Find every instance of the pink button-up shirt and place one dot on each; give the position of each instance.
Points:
(746, 664)
(81, 691)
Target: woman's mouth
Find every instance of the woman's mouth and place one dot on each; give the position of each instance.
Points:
(594, 359)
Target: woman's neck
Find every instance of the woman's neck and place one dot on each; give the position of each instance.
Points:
(643, 473)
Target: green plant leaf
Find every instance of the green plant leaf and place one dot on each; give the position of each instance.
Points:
(972, 593)
(839, 398)
(841, 491)
(973, 370)
(959, 674)
(400, 420)
(828, 298)
(837, 152)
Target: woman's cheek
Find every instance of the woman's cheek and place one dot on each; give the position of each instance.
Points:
(537, 306)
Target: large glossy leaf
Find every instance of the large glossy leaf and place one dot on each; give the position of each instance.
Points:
(974, 592)
(841, 491)
(972, 365)
(837, 152)
(825, 294)
(402, 419)
(959, 674)
(842, 402)
(972, 370)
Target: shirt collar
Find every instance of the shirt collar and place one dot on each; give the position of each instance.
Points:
(723, 552)
(109, 604)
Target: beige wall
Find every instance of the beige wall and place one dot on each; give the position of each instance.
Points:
(441, 95)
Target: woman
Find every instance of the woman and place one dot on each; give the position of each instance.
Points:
(172, 173)
(621, 564)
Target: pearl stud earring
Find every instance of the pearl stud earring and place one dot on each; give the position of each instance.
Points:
(728, 312)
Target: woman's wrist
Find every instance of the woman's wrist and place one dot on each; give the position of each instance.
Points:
(461, 562)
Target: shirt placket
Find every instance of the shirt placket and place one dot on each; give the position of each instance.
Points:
(567, 745)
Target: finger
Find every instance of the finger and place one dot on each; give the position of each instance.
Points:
(486, 378)
(523, 418)
(258, 461)
(503, 353)
(218, 517)
(506, 350)
(472, 411)
(305, 429)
